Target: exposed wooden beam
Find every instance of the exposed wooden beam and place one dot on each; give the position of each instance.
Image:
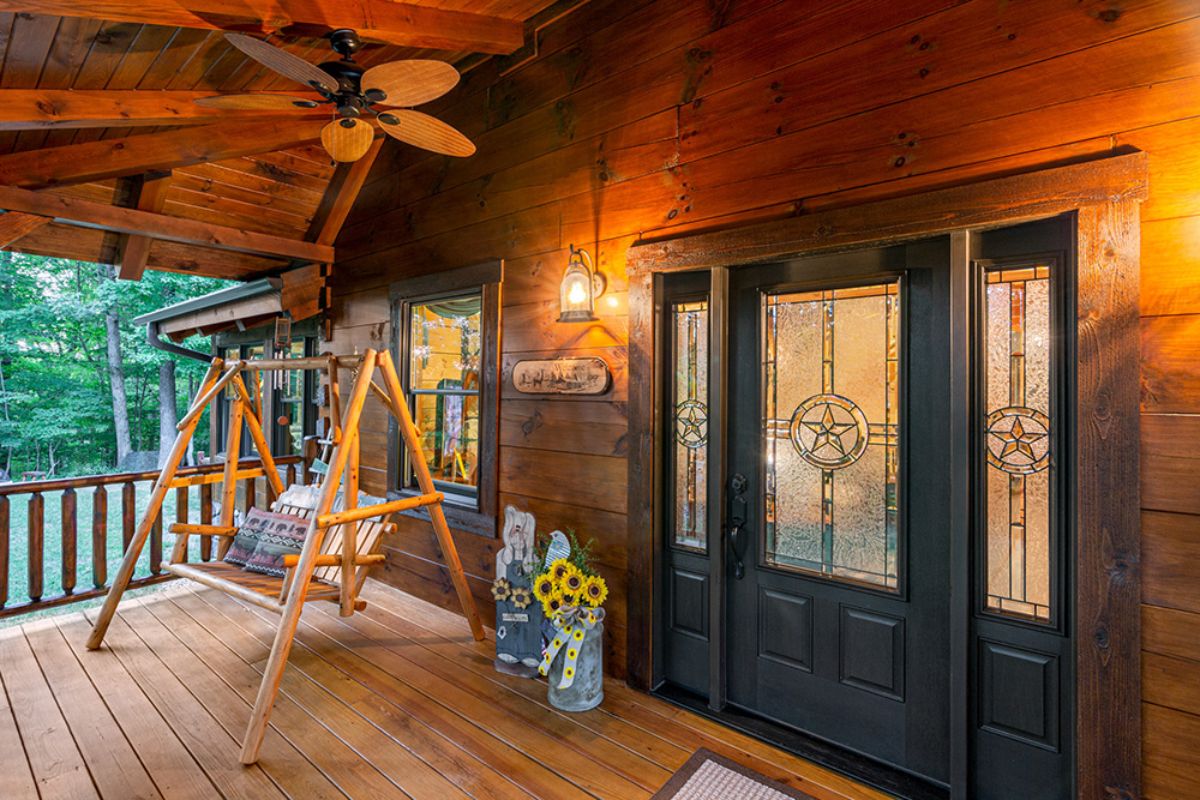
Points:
(135, 250)
(87, 214)
(339, 197)
(384, 21)
(32, 109)
(112, 158)
(15, 224)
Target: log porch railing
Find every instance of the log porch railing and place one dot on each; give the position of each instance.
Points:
(125, 484)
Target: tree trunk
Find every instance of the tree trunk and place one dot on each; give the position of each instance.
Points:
(168, 412)
(116, 376)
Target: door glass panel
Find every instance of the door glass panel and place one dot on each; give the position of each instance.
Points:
(831, 431)
(690, 399)
(1017, 375)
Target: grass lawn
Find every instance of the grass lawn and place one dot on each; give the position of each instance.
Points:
(18, 568)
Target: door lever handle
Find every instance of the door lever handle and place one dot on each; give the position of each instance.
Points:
(737, 546)
(734, 533)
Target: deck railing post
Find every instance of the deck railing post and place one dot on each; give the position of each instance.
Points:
(99, 537)
(206, 518)
(37, 544)
(68, 540)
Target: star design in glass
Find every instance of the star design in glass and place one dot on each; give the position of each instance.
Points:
(691, 420)
(829, 431)
(1018, 440)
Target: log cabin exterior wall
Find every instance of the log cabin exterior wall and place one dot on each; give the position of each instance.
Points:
(640, 119)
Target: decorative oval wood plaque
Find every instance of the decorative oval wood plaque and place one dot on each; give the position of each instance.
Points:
(562, 376)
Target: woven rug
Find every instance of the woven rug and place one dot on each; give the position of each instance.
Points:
(708, 776)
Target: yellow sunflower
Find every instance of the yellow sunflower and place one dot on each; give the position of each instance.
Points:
(595, 591)
(501, 589)
(552, 604)
(560, 568)
(569, 598)
(520, 597)
(544, 586)
(573, 580)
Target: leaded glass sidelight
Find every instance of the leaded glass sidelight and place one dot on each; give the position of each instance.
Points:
(689, 322)
(831, 431)
(1017, 372)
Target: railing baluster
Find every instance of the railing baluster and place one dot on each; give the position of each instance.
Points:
(181, 506)
(248, 499)
(206, 516)
(291, 475)
(99, 537)
(68, 540)
(156, 544)
(37, 544)
(128, 513)
(4, 532)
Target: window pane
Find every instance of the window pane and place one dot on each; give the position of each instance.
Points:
(1017, 441)
(449, 425)
(690, 453)
(445, 344)
(831, 431)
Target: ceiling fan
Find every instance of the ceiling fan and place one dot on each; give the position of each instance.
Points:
(385, 92)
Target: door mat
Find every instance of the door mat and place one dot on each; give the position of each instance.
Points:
(708, 776)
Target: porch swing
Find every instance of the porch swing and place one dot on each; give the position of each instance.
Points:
(341, 533)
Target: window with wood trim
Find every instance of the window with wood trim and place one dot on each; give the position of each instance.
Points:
(446, 332)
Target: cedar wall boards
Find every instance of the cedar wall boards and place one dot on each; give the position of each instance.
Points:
(655, 118)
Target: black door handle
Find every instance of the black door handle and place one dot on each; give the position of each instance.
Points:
(735, 533)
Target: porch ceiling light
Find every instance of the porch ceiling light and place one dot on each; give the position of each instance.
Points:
(580, 288)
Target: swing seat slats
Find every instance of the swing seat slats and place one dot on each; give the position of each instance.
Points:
(261, 590)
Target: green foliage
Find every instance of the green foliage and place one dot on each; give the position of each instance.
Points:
(55, 402)
(581, 554)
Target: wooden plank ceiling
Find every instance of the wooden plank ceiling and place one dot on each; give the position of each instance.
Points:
(253, 172)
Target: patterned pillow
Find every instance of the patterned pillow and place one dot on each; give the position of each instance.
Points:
(282, 535)
(248, 534)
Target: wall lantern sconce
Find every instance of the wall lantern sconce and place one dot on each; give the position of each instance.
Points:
(580, 288)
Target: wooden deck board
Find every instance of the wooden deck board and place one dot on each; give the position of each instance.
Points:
(397, 701)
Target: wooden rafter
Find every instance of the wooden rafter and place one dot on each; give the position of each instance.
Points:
(16, 224)
(135, 250)
(30, 109)
(339, 197)
(384, 21)
(87, 214)
(112, 158)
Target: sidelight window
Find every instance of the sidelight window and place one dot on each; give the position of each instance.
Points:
(1017, 440)
(831, 431)
(690, 402)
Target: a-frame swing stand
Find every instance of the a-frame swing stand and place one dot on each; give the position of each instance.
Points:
(349, 563)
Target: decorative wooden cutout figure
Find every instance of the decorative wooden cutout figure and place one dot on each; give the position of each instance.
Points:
(518, 614)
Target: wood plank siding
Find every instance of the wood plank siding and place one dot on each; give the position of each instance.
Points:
(647, 119)
(394, 702)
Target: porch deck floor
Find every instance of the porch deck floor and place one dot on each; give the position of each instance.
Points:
(396, 701)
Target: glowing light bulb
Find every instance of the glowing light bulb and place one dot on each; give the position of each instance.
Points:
(576, 294)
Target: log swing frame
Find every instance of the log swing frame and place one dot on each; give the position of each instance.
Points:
(294, 590)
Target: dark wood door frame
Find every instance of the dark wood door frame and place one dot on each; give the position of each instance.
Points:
(1104, 196)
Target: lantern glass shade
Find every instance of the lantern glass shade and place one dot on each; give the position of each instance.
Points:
(347, 142)
(577, 292)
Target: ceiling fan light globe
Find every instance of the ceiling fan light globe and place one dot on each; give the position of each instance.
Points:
(347, 139)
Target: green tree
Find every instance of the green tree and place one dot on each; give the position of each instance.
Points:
(56, 398)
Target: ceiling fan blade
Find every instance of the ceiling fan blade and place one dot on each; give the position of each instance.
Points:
(256, 102)
(425, 132)
(284, 63)
(410, 83)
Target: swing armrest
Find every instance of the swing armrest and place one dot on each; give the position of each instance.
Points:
(203, 530)
(332, 560)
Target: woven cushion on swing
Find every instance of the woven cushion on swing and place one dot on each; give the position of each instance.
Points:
(282, 535)
(248, 535)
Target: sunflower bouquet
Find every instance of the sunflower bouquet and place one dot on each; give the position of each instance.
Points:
(569, 581)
